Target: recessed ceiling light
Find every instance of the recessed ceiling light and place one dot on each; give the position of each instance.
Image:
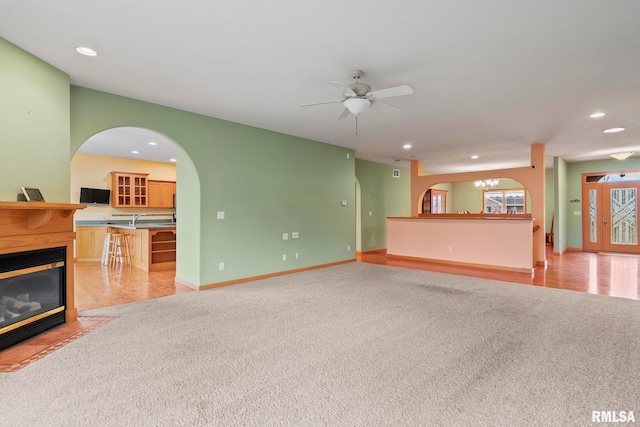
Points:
(475, 157)
(87, 51)
(135, 152)
(613, 130)
(406, 146)
(153, 143)
(172, 160)
(596, 115)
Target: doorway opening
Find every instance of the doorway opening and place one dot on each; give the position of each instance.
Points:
(610, 212)
(138, 168)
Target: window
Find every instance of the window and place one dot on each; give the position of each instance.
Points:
(505, 201)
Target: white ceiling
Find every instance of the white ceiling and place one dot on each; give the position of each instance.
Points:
(490, 77)
(130, 142)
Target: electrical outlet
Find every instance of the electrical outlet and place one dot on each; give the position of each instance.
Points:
(450, 248)
(221, 266)
(284, 257)
(297, 255)
(220, 215)
(370, 213)
(285, 236)
(295, 234)
(348, 248)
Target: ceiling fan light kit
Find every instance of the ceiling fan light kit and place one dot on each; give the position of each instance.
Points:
(357, 97)
(356, 105)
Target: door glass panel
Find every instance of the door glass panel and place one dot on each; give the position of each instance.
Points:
(624, 216)
(593, 212)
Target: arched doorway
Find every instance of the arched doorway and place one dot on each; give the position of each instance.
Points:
(131, 152)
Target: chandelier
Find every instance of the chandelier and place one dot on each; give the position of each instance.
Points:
(489, 184)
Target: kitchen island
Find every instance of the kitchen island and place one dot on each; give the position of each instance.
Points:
(152, 246)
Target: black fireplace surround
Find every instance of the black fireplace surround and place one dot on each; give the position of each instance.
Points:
(32, 293)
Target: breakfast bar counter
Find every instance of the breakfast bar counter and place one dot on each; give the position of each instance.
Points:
(499, 241)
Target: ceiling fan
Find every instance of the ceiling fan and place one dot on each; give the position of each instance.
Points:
(357, 96)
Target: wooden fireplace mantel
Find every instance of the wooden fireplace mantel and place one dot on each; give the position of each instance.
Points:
(39, 213)
(26, 226)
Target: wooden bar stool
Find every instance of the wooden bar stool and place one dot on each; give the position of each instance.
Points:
(119, 250)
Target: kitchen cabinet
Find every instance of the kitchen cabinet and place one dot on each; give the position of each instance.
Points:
(129, 190)
(161, 194)
(89, 243)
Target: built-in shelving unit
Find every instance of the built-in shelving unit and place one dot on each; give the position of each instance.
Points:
(163, 246)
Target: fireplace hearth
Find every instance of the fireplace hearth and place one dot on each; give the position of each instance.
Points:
(36, 279)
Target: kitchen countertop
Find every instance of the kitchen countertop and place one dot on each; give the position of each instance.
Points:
(144, 226)
(140, 225)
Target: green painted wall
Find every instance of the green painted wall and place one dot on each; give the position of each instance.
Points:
(266, 183)
(465, 197)
(549, 198)
(574, 191)
(188, 219)
(34, 126)
(381, 196)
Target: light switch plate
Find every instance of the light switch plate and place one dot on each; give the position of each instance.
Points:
(285, 236)
(220, 215)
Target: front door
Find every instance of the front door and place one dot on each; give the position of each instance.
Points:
(610, 213)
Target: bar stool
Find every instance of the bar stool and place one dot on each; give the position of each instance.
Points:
(106, 249)
(119, 250)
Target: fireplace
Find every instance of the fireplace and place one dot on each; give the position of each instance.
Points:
(36, 278)
(32, 293)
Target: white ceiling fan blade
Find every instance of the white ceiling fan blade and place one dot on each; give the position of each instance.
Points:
(392, 91)
(387, 108)
(345, 113)
(321, 103)
(344, 89)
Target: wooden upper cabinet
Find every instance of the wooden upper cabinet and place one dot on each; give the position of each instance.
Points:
(130, 190)
(161, 194)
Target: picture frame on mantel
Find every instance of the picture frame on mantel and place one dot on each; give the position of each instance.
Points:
(32, 194)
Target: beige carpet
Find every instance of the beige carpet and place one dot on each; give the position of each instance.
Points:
(351, 345)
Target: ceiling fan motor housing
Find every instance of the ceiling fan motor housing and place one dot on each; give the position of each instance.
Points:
(361, 89)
